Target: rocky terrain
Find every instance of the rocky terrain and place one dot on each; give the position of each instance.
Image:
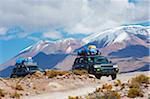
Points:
(72, 85)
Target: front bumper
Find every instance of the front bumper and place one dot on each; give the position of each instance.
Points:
(106, 71)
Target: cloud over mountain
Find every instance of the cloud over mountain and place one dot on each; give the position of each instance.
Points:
(75, 16)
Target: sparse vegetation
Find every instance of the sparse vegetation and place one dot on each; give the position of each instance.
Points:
(135, 86)
(2, 93)
(38, 74)
(108, 91)
(117, 83)
(34, 88)
(15, 95)
(111, 95)
(138, 81)
(104, 95)
(107, 87)
(79, 72)
(18, 87)
(141, 79)
(74, 97)
(135, 92)
(54, 73)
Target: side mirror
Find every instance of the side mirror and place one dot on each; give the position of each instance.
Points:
(110, 61)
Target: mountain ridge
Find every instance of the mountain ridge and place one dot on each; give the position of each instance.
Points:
(124, 39)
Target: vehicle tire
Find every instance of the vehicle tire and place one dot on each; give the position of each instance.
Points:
(113, 76)
(98, 76)
(89, 71)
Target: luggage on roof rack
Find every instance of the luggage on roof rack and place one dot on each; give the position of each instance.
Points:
(22, 62)
(91, 50)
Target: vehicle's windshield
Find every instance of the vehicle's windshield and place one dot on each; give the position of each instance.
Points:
(101, 60)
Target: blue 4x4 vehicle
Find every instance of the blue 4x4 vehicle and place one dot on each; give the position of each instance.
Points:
(97, 65)
(24, 68)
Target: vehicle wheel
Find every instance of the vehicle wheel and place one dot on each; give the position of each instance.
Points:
(113, 76)
(98, 76)
(89, 71)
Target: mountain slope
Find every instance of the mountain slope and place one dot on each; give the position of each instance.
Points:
(47, 54)
(117, 35)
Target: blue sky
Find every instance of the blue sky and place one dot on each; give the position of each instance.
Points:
(29, 21)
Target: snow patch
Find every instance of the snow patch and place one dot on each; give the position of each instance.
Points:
(69, 49)
(26, 49)
(123, 36)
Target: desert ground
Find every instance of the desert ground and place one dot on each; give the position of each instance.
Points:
(38, 86)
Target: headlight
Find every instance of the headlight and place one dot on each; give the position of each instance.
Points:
(97, 66)
(115, 66)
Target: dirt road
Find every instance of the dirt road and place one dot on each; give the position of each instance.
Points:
(84, 90)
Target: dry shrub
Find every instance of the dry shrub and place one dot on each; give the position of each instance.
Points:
(134, 84)
(80, 72)
(117, 83)
(135, 92)
(138, 81)
(15, 95)
(54, 73)
(122, 86)
(111, 95)
(18, 87)
(34, 87)
(106, 95)
(38, 74)
(74, 97)
(2, 93)
(99, 90)
(142, 79)
(107, 86)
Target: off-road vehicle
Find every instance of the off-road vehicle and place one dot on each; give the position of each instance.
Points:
(96, 65)
(24, 68)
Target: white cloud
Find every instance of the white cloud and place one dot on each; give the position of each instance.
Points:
(53, 35)
(75, 16)
(33, 38)
(3, 31)
(7, 37)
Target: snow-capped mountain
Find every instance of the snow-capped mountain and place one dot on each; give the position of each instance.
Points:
(48, 54)
(128, 46)
(48, 47)
(117, 35)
